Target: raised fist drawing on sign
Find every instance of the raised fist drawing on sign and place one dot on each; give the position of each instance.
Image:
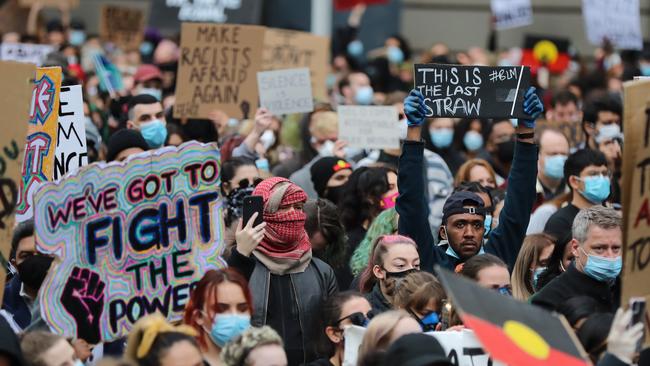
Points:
(83, 299)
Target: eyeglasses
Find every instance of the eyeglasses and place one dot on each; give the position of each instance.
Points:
(358, 318)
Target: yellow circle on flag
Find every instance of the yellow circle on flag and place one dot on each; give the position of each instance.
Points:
(546, 51)
(527, 339)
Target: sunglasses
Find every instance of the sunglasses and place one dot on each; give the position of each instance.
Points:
(358, 318)
(245, 183)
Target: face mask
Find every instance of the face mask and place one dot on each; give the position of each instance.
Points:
(154, 133)
(363, 96)
(473, 140)
(156, 93)
(78, 362)
(77, 37)
(442, 137)
(263, 164)
(451, 252)
(601, 268)
(326, 149)
(233, 122)
(146, 48)
(596, 189)
(609, 132)
(505, 151)
(333, 194)
(403, 129)
(536, 273)
(330, 81)
(352, 152)
(267, 139)
(72, 60)
(399, 275)
(645, 70)
(228, 326)
(355, 48)
(487, 225)
(429, 322)
(33, 270)
(389, 201)
(394, 55)
(554, 166)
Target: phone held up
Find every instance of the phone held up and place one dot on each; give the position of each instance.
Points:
(251, 205)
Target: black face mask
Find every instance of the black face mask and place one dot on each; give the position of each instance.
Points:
(399, 275)
(505, 151)
(33, 270)
(334, 194)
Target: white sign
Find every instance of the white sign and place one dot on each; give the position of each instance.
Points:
(71, 149)
(616, 20)
(285, 91)
(369, 127)
(512, 13)
(463, 348)
(353, 335)
(25, 52)
(204, 10)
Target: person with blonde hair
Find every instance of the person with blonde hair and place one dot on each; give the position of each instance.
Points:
(383, 330)
(476, 170)
(531, 262)
(421, 295)
(255, 347)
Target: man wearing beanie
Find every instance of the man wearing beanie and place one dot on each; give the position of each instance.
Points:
(125, 143)
(328, 175)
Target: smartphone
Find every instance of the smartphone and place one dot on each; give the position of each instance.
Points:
(253, 204)
(637, 304)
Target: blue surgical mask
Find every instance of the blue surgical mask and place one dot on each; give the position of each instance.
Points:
(154, 133)
(78, 362)
(602, 268)
(429, 322)
(473, 140)
(355, 48)
(146, 48)
(451, 252)
(394, 55)
(596, 189)
(442, 137)
(554, 166)
(330, 81)
(487, 224)
(645, 70)
(156, 93)
(364, 95)
(536, 273)
(77, 37)
(225, 327)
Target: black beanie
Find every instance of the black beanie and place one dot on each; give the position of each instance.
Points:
(323, 169)
(122, 140)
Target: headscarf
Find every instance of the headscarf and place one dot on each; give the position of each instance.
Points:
(285, 247)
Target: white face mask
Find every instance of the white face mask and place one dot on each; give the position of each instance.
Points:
(326, 149)
(267, 139)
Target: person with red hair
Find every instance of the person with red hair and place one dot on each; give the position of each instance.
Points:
(219, 309)
(290, 285)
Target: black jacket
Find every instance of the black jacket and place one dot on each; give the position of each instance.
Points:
(504, 241)
(377, 301)
(9, 345)
(574, 283)
(291, 303)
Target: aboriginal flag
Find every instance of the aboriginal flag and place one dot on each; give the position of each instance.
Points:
(539, 50)
(513, 332)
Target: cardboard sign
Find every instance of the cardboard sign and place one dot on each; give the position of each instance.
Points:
(617, 20)
(218, 69)
(636, 208)
(284, 49)
(369, 127)
(38, 166)
(285, 91)
(71, 149)
(122, 26)
(133, 238)
(511, 13)
(472, 91)
(572, 130)
(464, 349)
(51, 3)
(14, 104)
(513, 332)
(25, 52)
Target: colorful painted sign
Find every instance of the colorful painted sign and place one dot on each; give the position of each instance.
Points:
(132, 239)
(38, 166)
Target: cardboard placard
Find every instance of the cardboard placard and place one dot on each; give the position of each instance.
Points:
(285, 91)
(636, 205)
(51, 3)
(218, 69)
(285, 49)
(25, 52)
(617, 20)
(71, 149)
(123, 26)
(132, 239)
(511, 13)
(38, 166)
(14, 102)
(572, 130)
(369, 127)
(472, 91)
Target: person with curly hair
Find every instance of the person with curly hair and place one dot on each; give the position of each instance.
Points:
(255, 347)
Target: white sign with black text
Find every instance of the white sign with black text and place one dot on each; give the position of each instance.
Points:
(369, 127)
(25, 52)
(511, 13)
(71, 148)
(285, 91)
(616, 20)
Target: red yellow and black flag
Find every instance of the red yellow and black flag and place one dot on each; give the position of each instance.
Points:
(549, 51)
(511, 331)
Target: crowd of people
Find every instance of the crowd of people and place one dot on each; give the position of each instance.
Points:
(351, 236)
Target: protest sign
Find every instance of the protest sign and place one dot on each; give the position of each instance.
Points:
(472, 91)
(511, 13)
(51, 3)
(463, 348)
(285, 49)
(615, 20)
(38, 166)
(71, 149)
(636, 208)
(285, 91)
(132, 237)
(167, 15)
(369, 127)
(14, 104)
(572, 130)
(25, 52)
(513, 332)
(217, 70)
(123, 26)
